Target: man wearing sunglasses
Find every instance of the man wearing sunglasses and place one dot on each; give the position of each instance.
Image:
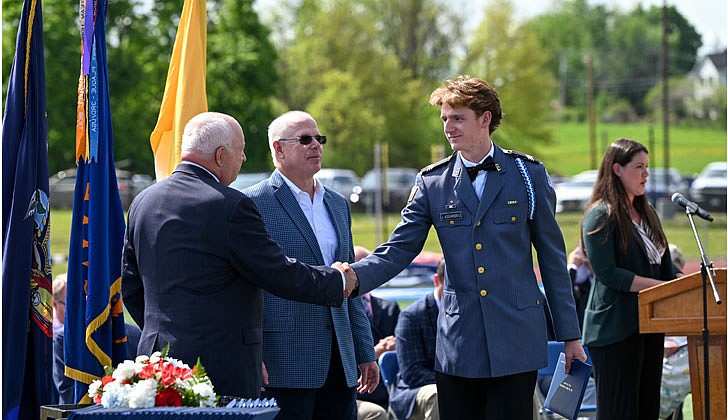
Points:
(311, 352)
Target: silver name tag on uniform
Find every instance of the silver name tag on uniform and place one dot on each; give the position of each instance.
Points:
(454, 215)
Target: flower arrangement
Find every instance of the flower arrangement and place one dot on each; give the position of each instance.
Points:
(153, 381)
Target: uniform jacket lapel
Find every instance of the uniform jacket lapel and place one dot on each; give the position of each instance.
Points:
(290, 205)
(463, 187)
(493, 184)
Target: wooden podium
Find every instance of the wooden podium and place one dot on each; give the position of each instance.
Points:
(676, 308)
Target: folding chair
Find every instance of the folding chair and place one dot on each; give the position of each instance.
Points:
(554, 349)
(389, 366)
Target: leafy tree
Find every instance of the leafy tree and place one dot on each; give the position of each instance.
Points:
(512, 62)
(335, 67)
(424, 35)
(241, 74)
(566, 44)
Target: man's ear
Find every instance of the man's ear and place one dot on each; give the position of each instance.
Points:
(486, 119)
(219, 152)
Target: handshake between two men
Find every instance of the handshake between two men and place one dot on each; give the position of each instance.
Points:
(352, 281)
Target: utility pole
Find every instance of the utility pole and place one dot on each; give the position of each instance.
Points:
(591, 112)
(666, 93)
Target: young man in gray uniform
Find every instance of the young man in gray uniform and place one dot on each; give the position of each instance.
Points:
(489, 207)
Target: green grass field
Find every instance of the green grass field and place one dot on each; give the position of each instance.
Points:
(690, 148)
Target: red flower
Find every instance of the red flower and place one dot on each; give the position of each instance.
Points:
(147, 372)
(106, 379)
(168, 397)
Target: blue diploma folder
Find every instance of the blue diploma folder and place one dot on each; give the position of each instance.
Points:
(567, 390)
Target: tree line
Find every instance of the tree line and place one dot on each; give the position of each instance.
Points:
(363, 68)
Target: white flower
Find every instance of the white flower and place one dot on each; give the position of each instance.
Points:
(177, 363)
(93, 389)
(206, 393)
(143, 393)
(115, 395)
(125, 370)
(154, 358)
(142, 358)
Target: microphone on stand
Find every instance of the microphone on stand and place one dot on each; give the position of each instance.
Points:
(691, 206)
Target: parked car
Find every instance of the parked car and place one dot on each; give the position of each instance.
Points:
(399, 183)
(343, 181)
(574, 194)
(655, 187)
(709, 188)
(246, 179)
(63, 184)
(414, 281)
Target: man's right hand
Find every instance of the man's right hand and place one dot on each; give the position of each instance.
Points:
(350, 277)
(352, 280)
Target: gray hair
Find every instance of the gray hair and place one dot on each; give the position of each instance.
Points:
(59, 287)
(278, 128)
(207, 131)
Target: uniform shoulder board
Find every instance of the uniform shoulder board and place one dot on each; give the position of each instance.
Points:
(517, 154)
(436, 164)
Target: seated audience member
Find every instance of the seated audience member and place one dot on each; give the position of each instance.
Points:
(414, 396)
(366, 410)
(581, 279)
(383, 315)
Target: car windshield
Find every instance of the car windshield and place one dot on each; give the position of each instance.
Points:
(716, 173)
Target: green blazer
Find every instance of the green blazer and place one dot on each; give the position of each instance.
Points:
(611, 314)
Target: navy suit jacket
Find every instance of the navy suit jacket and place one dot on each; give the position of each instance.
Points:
(196, 258)
(416, 334)
(492, 320)
(297, 336)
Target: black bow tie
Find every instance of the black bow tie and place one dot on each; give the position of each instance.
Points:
(486, 165)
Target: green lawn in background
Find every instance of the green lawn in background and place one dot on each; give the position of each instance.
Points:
(690, 148)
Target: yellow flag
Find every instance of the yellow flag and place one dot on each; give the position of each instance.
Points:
(184, 94)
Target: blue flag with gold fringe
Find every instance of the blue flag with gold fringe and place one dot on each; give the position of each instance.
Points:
(94, 325)
(26, 271)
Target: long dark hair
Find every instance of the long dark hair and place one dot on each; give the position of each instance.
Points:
(609, 190)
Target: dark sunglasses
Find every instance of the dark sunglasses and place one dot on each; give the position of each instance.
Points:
(306, 139)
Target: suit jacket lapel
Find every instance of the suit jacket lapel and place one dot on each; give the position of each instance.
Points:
(290, 205)
(342, 253)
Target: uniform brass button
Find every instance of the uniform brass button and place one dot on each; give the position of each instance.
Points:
(481, 270)
(483, 292)
(477, 224)
(513, 219)
(478, 246)
(538, 302)
(452, 222)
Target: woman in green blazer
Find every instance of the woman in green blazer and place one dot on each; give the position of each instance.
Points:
(628, 252)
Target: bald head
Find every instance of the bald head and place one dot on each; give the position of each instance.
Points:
(216, 142)
(284, 126)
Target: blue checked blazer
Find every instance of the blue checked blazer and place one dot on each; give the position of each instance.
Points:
(416, 333)
(492, 321)
(297, 336)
